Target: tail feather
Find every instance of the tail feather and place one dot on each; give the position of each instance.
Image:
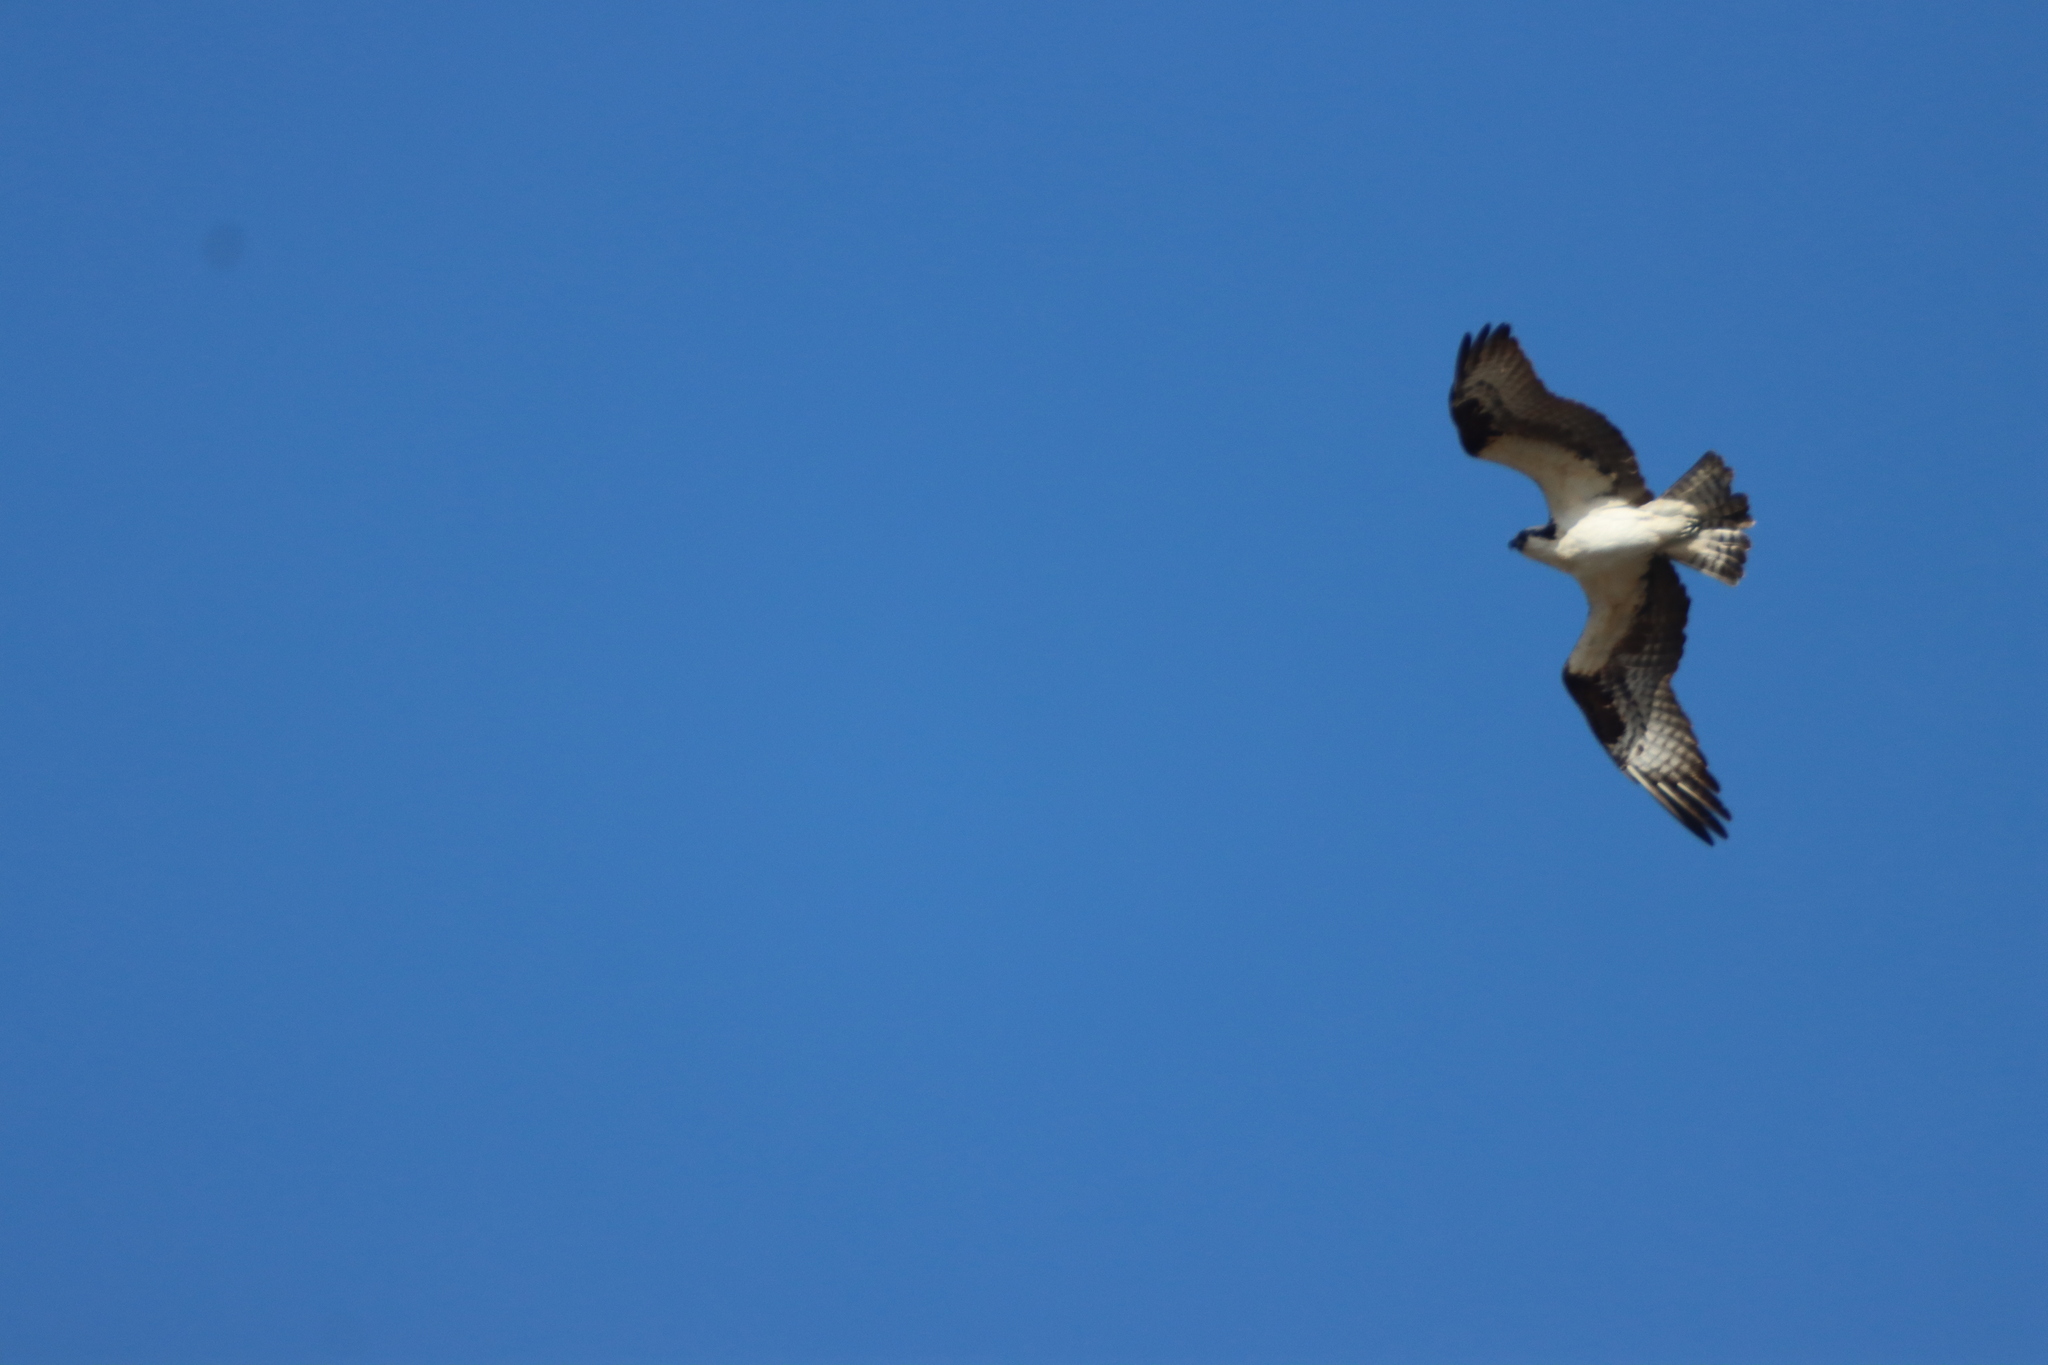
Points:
(1719, 548)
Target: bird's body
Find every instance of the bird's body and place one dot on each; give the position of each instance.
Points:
(1619, 542)
(1606, 537)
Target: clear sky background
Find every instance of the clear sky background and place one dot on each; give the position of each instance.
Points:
(779, 684)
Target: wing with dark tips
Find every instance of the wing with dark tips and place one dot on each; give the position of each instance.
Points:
(1623, 684)
(1505, 414)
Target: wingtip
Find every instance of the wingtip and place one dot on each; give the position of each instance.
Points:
(1698, 809)
(1475, 344)
(1701, 824)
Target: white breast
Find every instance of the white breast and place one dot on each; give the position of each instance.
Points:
(1615, 535)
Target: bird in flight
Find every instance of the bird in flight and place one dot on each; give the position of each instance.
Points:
(1606, 531)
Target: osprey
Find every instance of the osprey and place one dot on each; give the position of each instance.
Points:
(1606, 531)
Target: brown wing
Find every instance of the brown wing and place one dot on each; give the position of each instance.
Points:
(1628, 700)
(1496, 397)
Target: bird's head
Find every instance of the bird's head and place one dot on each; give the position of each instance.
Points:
(1538, 543)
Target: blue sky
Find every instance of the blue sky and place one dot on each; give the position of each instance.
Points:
(790, 683)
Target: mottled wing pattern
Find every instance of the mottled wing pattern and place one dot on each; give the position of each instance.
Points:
(1629, 703)
(1495, 396)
